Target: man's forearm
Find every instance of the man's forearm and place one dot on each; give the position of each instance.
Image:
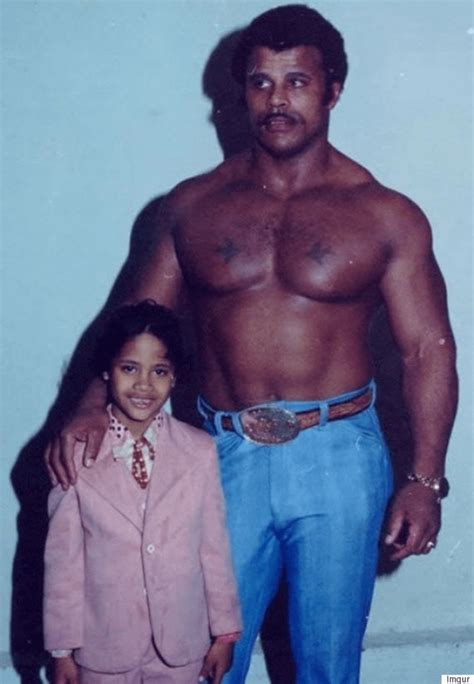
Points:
(86, 424)
(431, 393)
(94, 398)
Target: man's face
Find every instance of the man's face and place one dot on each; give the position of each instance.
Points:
(286, 99)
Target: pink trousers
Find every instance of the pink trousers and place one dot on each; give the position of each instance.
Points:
(152, 670)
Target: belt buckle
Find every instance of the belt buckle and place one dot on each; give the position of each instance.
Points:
(269, 425)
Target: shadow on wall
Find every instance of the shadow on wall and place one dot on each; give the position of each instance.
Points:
(29, 478)
(229, 115)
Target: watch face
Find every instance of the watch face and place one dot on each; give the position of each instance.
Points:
(443, 488)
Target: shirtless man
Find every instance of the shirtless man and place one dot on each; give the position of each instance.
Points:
(286, 252)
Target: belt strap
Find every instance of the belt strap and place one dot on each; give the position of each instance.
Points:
(311, 418)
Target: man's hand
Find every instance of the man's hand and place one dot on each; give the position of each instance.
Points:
(414, 521)
(88, 427)
(65, 671)
(217, 661)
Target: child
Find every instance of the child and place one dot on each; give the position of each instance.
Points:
(138, 578)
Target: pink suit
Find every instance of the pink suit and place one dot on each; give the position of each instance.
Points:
(119, 571)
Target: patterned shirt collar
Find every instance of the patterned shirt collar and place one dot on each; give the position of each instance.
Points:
(121, 435)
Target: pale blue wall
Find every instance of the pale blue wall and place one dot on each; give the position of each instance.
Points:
(103, 110)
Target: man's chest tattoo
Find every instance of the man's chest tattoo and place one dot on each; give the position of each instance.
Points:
(228, 250)
(318, 252)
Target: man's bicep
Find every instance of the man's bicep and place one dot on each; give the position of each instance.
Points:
(157, 274)
(152, 270)
(415, 296)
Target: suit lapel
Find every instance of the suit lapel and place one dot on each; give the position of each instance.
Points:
(169, 469)
(113, 482)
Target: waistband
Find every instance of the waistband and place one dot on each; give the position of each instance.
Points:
(219, 419)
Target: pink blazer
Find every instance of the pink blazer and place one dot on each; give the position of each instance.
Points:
(115, 577)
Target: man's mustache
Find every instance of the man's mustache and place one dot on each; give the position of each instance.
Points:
(268, 118)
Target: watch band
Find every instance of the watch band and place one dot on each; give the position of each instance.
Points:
(439, 485)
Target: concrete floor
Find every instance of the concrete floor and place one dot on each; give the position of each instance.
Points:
(387, 660)
(401, 664)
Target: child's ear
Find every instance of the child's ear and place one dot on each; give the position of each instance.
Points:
(105, 376)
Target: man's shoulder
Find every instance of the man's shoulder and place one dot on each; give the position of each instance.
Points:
(348, 172)
(193, 189)
(396, 220)
(399, 215)
(389, 208)
(355, 177)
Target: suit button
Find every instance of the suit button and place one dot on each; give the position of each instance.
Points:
(150, 548)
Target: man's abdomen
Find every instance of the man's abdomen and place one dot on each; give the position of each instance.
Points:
(258, 348)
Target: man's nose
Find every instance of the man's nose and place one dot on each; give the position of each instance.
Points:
(278, 96)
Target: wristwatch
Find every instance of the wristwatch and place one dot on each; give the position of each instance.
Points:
(440, 485)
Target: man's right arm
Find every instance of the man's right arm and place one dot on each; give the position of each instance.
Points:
(154, 274)
(88, 425)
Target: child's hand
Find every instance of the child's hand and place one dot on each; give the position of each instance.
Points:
(65, 671)
(217, 661)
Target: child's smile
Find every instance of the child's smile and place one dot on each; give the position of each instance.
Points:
(140, 381)
(141, 402)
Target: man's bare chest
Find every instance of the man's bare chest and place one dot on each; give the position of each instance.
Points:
(312, 249)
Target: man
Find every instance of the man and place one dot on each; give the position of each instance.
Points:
(286, 251)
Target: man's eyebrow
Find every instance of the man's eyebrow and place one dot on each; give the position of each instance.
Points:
(299, 73)
(255, 72)
(260, 73)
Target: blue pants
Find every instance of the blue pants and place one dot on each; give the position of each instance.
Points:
(313, 506)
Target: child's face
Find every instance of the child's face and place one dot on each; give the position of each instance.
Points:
(140, 381)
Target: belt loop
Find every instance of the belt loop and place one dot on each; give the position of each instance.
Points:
(211, 417)
(323, 413)
(237, 425)
(203, 409)
(218, 422)
(373, 388)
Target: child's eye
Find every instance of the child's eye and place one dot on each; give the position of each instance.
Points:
(161, 372)
(127, 368)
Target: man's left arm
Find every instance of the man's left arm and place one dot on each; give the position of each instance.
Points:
(415, 296)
